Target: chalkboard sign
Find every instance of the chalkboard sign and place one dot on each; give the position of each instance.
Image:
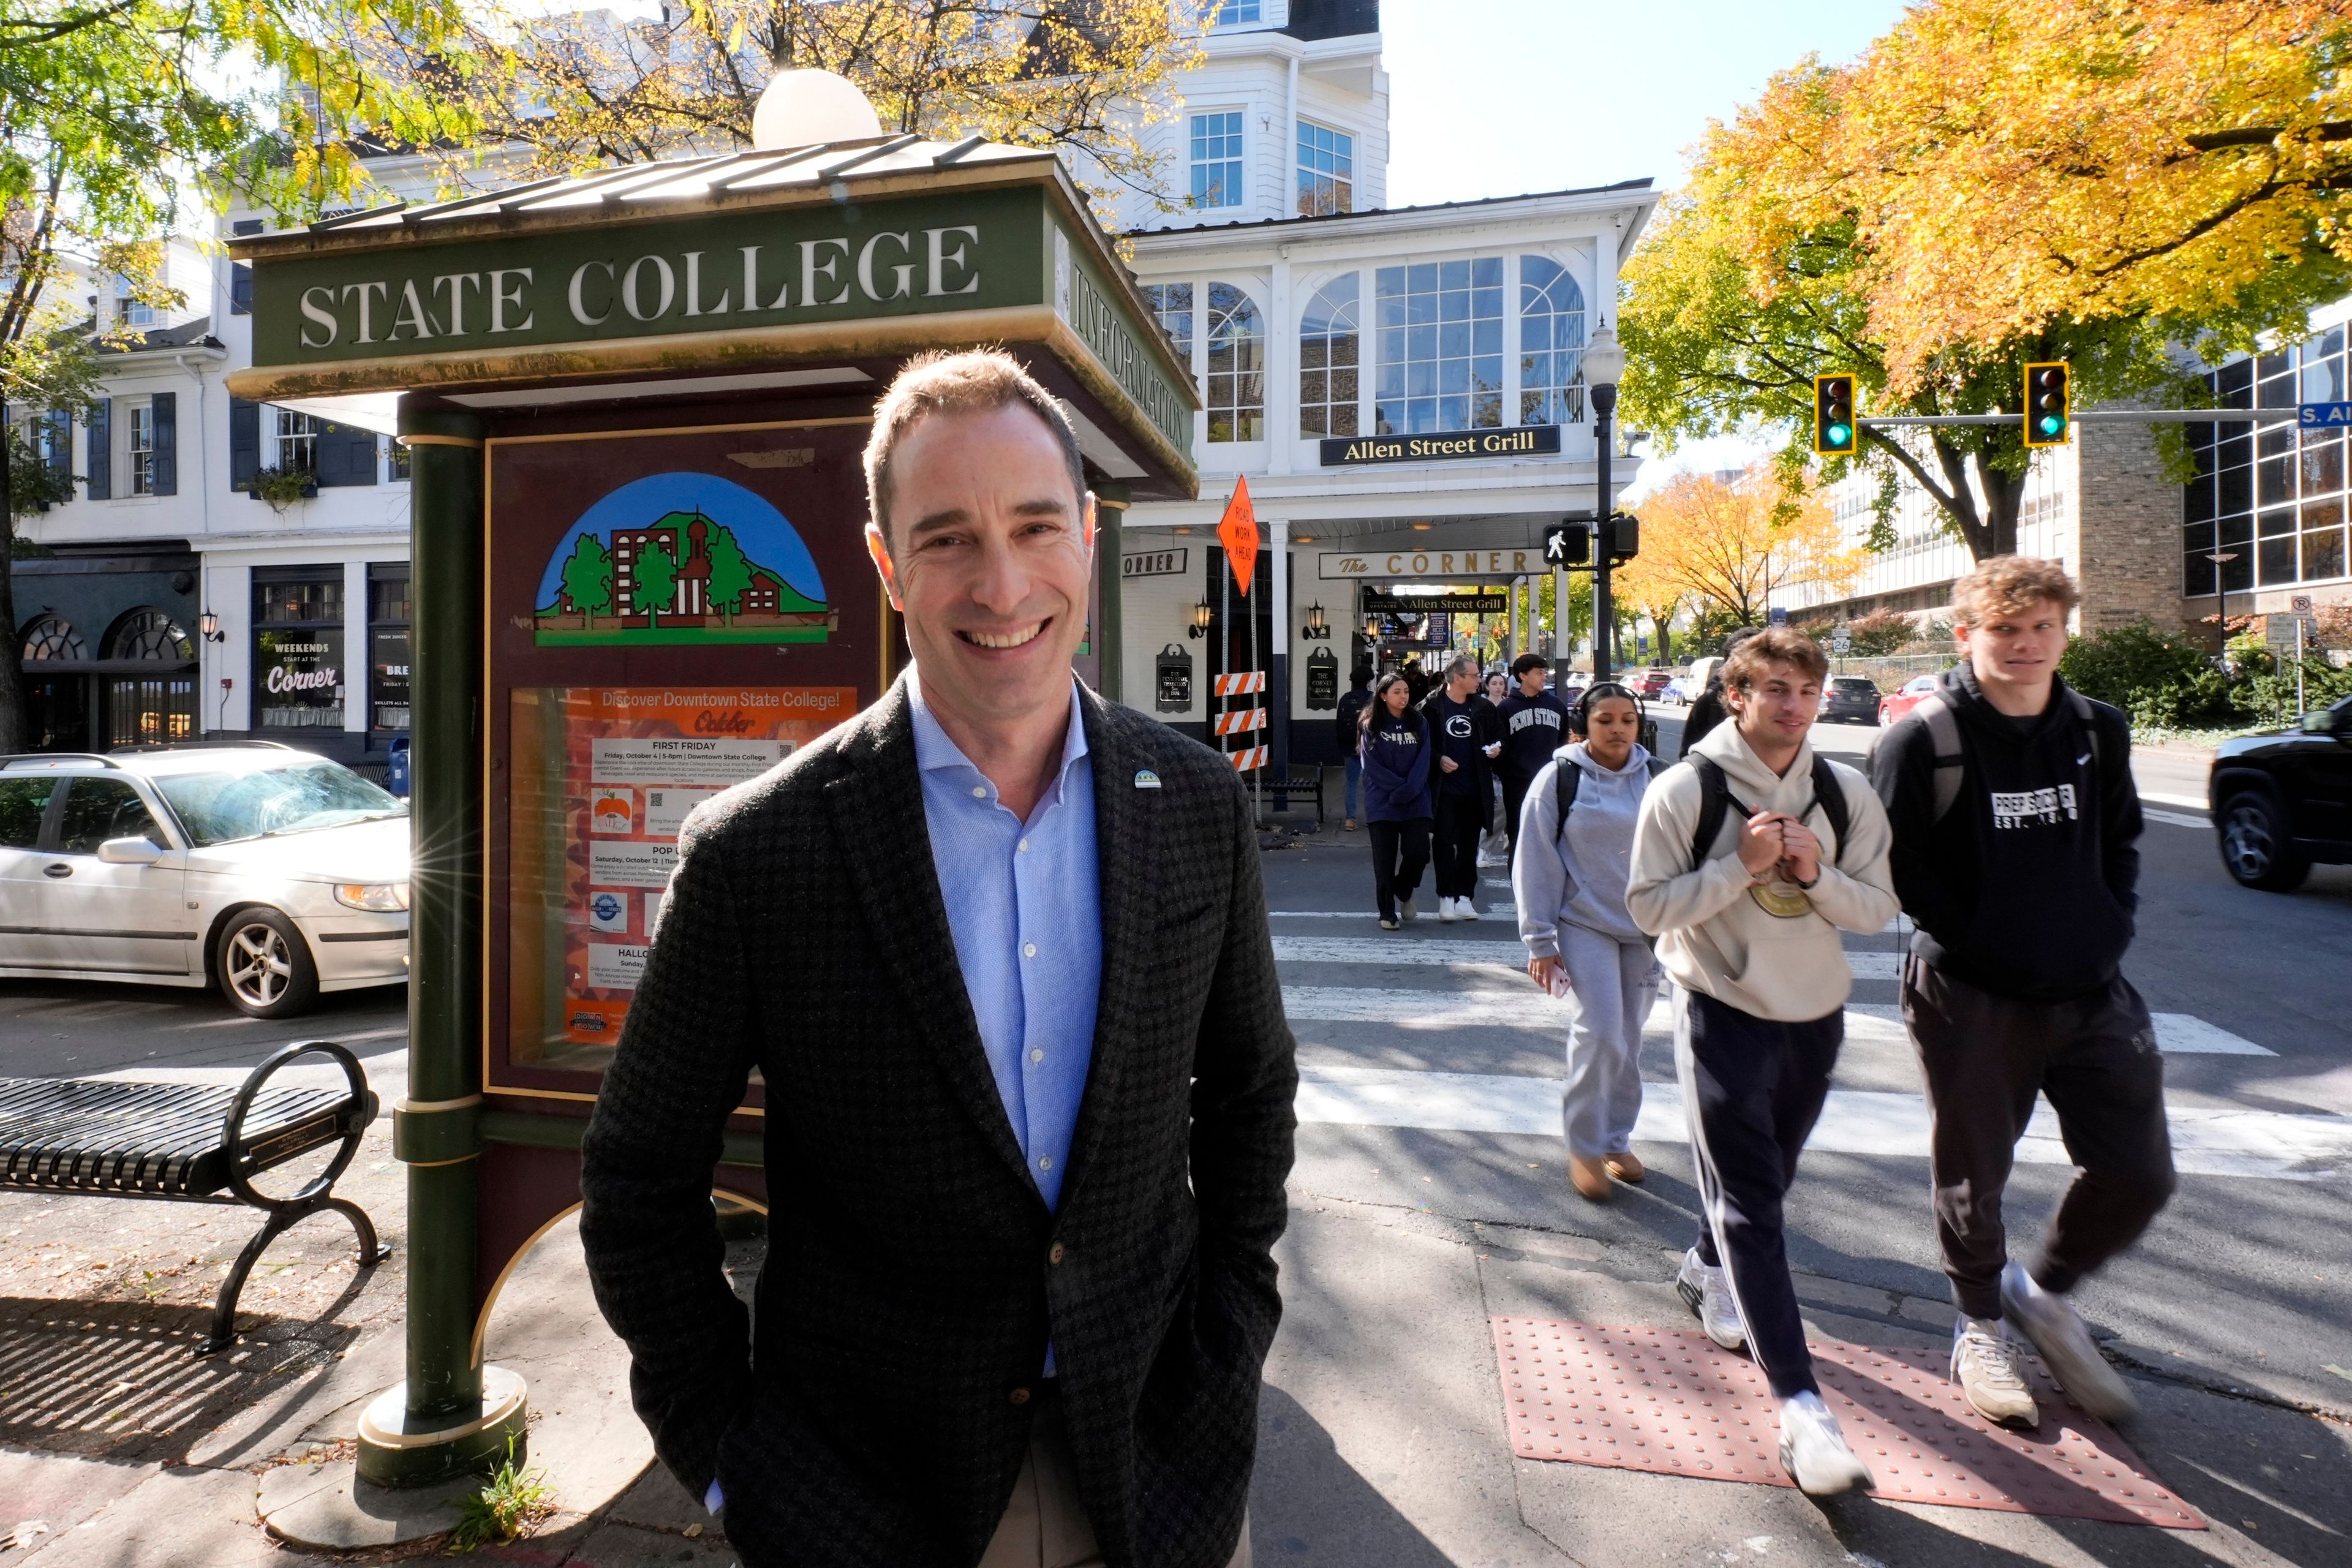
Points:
(1322, 680)
(1175, 691)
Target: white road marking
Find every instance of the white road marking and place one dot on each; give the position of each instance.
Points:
(2206, 1140)
(2186, 1034)
(2176, 818)
(2167, 798)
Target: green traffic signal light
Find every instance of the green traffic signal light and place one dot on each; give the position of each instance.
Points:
(2049, 391)
(1841, 435)
(1833, 422)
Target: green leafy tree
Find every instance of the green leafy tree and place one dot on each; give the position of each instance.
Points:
(120, 120)
(731, 573)
(588, 577)
(653, 582)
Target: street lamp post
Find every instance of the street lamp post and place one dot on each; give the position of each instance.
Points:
(1604, 362)
(2221, 560)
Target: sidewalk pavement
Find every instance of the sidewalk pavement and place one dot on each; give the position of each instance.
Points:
(118, 1448)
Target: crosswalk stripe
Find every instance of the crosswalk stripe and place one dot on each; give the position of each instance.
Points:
(1509, 1001)
(2206, 1140)
(2177, 819)
(1387, 950)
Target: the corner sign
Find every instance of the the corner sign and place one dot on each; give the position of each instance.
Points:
(1442, 447)
(2323, 416)
(1152, 563)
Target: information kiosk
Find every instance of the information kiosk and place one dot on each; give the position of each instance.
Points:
(635, 403)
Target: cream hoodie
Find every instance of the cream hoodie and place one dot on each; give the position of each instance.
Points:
(1712, 936)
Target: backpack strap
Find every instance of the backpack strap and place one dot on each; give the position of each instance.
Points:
(1830, 795)
(1713, 801)
(1951, 762)
(2089, 716)
(1569, 776)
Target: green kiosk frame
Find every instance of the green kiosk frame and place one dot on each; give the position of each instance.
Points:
(635, 403)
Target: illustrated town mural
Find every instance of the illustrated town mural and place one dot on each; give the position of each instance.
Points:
(681, 558)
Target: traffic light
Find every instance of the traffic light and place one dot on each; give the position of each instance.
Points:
(2049, 403)
(1835, 434)
(1624, 538)
(1567, 544)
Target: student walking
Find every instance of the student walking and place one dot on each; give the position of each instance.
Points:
(1395, 751)
(1706, 708)
(2016, 825)
(1750, 858)
(1349, 727)
(1579, 816)
(1466, 737)
(1494, 834)
(1534, 725)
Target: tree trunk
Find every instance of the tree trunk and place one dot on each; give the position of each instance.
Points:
(2004, 493)
(11, 651)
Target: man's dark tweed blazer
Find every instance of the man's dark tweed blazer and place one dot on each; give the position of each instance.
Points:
(877, 1413)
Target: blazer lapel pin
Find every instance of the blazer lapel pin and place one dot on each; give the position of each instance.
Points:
(1146, 779)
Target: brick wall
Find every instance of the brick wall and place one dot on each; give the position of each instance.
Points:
(2126, 549)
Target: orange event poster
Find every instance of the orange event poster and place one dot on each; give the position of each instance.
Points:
(637, 760)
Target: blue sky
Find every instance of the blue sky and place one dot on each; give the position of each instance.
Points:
(1499, 97)
(1495, 98)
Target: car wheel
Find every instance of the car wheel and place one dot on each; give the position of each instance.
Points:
(2255, 848)
(264, 965)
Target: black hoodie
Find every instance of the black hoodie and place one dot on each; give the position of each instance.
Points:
(2027, 886)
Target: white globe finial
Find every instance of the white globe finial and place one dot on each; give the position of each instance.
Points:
(802, 107)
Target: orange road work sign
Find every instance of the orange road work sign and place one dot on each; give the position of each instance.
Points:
(1237, 532)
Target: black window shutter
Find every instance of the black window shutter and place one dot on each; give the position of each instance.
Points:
(240, 288)
(167, 444)
(346, 456)
(244, 442)
(99, 481)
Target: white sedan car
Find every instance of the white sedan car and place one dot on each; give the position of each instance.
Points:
(273, 873)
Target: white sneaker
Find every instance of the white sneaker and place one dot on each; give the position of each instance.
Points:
(1984, 1363)
(1708, 1293)
(1405, 909)
(1445, 911)
(1813, 1450)
(2065, 1346)
(1464, 910)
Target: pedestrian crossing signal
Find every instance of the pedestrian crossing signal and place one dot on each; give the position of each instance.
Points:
(2049, 403)
(1835, 432)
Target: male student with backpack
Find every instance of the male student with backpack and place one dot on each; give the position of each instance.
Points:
(2016, 825)
(1752, 855)
(1570, 884)
(1534, 726)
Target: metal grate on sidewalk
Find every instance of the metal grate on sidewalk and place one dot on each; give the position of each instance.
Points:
(1672, 1402)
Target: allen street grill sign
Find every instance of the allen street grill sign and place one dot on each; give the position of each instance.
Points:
(1442, 447)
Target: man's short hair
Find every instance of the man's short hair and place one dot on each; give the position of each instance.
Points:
(2010, 585)
(1771, 645)
(973, 381)
(1528, 661)
(1461, 664)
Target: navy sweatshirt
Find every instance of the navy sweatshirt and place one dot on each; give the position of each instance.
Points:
(1397, 764)
(1533, 728)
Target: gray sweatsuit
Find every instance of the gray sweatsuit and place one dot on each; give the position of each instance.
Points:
(1571, 896)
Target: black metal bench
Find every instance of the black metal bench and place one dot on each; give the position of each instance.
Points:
(1302, 783)
(193, 1144)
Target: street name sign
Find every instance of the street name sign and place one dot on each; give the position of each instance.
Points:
(2323, 416)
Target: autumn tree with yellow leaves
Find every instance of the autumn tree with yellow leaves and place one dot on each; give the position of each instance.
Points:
(1730, 543)
(2095, 181)
(585, 88)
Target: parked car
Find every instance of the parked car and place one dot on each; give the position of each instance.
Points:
(1894, 706)
(2282, 803)
(272, 873)
(1651, 683)
(1850, 700)
(1684, 689)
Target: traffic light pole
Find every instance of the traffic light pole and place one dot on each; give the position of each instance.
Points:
(1604, 403)
(2096, 417)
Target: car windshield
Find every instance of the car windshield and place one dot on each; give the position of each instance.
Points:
(218, 807)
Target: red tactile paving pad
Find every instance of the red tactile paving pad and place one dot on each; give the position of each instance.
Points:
(1673, 1403)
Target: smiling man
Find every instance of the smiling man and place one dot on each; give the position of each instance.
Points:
(1028, 1082)
(2016, 854)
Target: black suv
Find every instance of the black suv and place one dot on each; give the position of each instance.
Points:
(2283, 802)
(1849, 700)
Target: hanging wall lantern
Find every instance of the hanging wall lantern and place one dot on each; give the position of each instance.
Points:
(1202, 617)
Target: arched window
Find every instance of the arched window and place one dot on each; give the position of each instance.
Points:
(151, 636)
(1172, 303)
(53, 636)
(1236, 389)
(1327, 357)
(1551, 343)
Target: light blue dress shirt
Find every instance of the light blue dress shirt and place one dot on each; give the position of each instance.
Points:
(1025, 908)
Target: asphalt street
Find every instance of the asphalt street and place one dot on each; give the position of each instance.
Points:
(1431, 1193)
